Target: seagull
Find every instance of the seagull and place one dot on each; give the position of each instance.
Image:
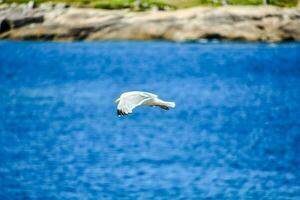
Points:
(130, 100)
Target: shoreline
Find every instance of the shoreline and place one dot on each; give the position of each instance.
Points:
(200, 41)
(228, 23)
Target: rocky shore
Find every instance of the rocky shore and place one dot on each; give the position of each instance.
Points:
(59, 22)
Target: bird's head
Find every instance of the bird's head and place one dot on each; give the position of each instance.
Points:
(117, 100)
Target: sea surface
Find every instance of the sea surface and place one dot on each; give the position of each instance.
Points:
(234, 134)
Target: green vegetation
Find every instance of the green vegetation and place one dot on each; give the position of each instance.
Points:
(283, 3)
(191, 3)
(131, 4)
(158, 4)
(107, 4)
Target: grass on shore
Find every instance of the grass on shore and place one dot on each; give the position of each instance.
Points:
(160, 4)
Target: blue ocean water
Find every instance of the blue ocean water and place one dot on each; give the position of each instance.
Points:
(235, 133)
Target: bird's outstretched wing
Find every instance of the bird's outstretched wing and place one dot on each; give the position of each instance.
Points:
(129, 101)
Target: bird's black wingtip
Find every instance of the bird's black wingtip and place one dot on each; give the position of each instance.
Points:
(121, 113)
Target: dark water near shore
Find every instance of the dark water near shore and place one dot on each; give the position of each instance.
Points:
(235, 133)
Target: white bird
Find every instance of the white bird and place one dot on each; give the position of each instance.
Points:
(130, 100)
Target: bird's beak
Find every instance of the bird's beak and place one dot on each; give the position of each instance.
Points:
(117, 100)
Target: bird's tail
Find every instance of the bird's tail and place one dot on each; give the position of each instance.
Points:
(167, 105)
(171, 104)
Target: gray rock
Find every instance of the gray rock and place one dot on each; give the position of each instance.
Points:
(21, 15)
(31, 5)
(230, 22)
(4, 25)
(46, 6)
(23, 21)
(4, 7)
(13, 5)
(61, 6)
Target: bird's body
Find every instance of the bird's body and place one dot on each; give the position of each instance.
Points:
(130, 100)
